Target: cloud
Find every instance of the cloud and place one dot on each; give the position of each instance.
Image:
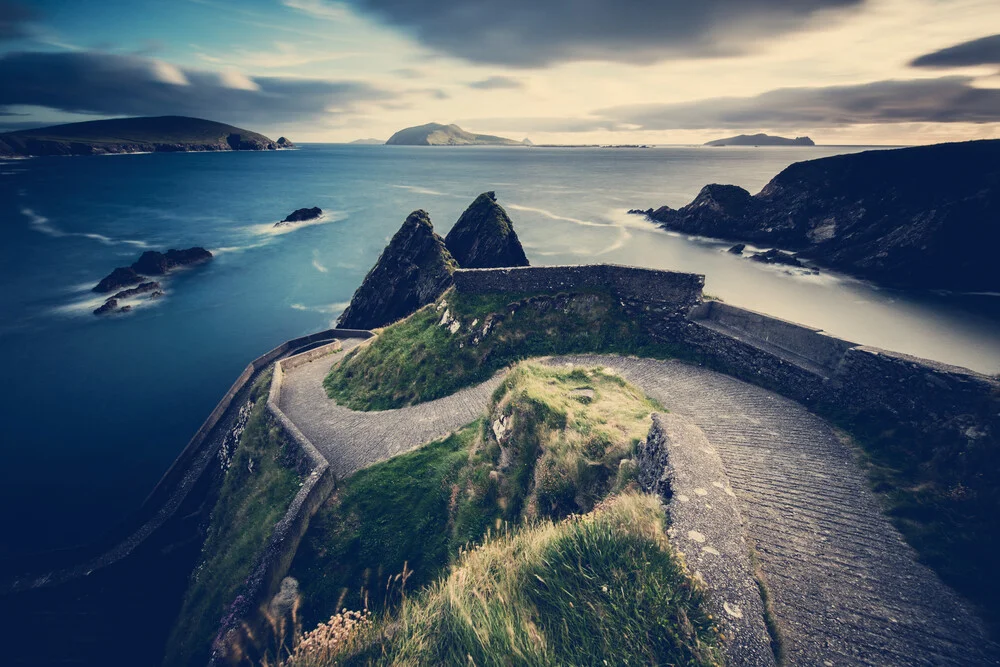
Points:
(531, 33)
(497, 83)
(982, 51)
(114, 84)
(14, 18)
(950, 99)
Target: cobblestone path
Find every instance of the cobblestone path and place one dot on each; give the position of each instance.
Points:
(845, 588)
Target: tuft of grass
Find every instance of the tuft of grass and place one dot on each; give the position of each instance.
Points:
(603, 585)
(258, 487)
(463, 339)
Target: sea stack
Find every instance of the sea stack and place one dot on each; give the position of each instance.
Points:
(484, 237)
(413, 270)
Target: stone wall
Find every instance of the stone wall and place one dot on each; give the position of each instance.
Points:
(276, 557)
(833, 376)
(679, 289)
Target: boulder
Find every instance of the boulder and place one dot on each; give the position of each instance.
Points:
(484, 237)
(413, 270)
(738, 249)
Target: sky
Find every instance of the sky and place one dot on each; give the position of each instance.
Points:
(896, 72)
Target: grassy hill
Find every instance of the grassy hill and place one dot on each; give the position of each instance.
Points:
(436, 134)
(132, 135)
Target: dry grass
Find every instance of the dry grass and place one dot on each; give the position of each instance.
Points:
(601, 585)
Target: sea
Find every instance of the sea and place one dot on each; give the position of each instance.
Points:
(94, 409)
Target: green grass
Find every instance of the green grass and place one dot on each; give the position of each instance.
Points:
(418, 359)
(393, 513)
(570, 431)
(604, 585)
(252, 499)
(944, 497)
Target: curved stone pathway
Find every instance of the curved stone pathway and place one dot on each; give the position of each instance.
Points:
(845, 588)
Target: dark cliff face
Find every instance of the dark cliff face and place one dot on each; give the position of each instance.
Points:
(925, 217)
(484, 237)
(413, 270)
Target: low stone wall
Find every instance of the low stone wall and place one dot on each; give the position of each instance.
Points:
(680, 289)
(834, 376)
(273, 563)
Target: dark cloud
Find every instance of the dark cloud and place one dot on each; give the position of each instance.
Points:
(530, 33)
(497, 83)
(949, 99)
(14, 18)
(113, 84)
(982, 51)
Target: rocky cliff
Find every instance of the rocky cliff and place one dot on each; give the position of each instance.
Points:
(484, 237)
(413, 270)
(924, 217)
(162, 134)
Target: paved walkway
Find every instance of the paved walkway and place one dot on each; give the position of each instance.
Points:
(845, 587)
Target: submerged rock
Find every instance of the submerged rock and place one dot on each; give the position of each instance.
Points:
(413, 270)
(738, 249)
(142, 288)
(775, 256)
(109, 306)
(484, 237)
(301, 215)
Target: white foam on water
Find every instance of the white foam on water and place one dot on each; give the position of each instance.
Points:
(43, 225)
(275, 229)
(424, 191)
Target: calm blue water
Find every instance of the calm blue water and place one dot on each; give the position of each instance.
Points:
(94, 410)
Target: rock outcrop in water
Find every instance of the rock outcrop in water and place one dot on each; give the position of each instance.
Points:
(161, 134)
(413, 270)
(925, 217)
(150, 263)
(484, 237)
(301, 215)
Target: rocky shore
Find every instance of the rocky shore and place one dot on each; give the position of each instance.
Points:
(905, 218)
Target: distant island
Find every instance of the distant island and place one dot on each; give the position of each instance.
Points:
(368, 142)
(161, 134)
(436, 134)
(761, 140)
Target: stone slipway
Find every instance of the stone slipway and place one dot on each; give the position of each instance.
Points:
(845, 588)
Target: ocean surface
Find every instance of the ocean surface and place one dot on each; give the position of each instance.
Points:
(93, 410)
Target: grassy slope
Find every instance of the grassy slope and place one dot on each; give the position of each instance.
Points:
(602, 585)
(249, 505)
(562, 453)
(164, 129)
(418, 360)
